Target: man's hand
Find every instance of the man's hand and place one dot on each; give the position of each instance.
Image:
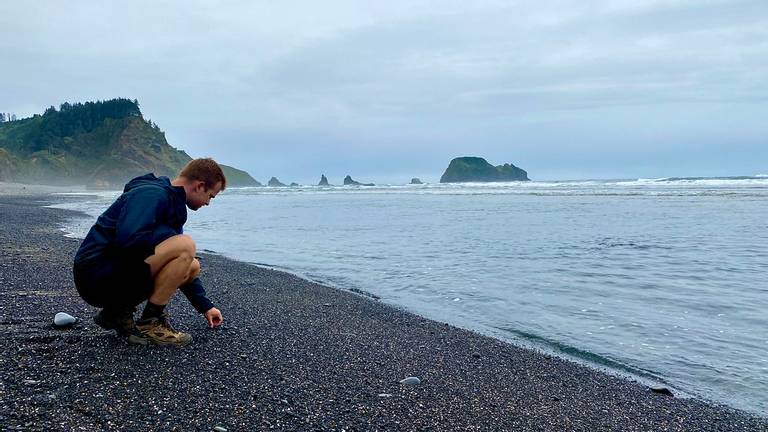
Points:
(213, 316)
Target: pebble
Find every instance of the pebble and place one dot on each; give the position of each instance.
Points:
(411, 381)
(385, 395)
(220, 429)
(63, 319)
(662, 390)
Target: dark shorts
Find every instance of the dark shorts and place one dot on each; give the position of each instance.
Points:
(109, 281)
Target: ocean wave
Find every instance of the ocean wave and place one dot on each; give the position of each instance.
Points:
(580, 355)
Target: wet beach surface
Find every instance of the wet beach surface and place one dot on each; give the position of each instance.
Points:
(291, 355)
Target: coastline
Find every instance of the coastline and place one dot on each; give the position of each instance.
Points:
(23, 189)
(292, 354)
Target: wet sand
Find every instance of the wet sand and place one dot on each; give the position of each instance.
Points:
(291, 355)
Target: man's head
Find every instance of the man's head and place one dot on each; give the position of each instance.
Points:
(202, 180)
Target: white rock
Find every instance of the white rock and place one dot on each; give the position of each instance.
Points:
(64, 319)
(411, 381)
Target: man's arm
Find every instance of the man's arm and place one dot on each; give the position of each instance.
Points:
(140, 226)
(195, 293)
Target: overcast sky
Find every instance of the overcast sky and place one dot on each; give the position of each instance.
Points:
(293, 89)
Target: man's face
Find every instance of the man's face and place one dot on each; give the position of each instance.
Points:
(201, 196)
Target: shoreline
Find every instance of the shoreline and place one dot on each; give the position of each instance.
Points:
(538, 344)
(292, 354)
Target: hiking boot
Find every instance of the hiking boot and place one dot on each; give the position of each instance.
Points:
(158, 331)
(121, 321)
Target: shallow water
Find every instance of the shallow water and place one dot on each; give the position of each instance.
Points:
(660, 278)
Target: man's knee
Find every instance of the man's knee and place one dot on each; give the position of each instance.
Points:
(186, 244)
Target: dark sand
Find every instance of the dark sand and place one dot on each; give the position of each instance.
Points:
(292, 355)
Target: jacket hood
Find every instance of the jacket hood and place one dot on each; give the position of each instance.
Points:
(151, 180)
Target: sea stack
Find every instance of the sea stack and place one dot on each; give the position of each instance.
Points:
(274, 182)
(349, 182)
(476, 169)
(323, 180)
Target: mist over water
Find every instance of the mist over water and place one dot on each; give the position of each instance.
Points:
(666, 278)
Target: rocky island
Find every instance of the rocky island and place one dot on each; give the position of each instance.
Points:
(476, 169)
(98, 144)
(349, 182)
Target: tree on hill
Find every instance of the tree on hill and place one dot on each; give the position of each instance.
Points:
(72, 119)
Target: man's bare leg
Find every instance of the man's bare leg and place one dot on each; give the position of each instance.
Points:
(172, 265)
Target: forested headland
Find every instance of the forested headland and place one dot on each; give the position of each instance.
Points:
(98, 144)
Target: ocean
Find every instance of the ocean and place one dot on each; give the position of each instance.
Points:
(665, 280)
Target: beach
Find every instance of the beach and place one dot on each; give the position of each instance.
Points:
(291, 355)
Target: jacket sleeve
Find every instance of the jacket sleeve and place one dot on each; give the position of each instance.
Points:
(141, 225)
(196, 295)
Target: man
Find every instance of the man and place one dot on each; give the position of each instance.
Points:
(137, 252)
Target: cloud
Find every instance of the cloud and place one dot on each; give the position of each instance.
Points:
(268, 84)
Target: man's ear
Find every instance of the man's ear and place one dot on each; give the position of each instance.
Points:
(200, 186)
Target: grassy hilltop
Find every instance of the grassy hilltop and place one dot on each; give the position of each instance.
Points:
(100, 144)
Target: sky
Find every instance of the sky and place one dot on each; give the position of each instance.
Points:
(387, 91)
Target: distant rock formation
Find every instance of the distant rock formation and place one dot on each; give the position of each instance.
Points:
(274, 182)
(349, 182)
(416, 180)
(294, 184)
(476, 169)
(323, 180)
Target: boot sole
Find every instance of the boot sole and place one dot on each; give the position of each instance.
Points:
(137, 340)
(142, 340)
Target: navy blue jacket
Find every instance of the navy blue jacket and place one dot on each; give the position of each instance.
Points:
(149, 211)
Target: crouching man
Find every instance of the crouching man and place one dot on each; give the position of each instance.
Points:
(137, 252)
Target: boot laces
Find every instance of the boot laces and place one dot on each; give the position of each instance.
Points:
(163, 319)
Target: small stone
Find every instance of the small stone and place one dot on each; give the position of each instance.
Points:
(30, 382)
(385, 395)
(662, 391)
(220, 429)
(411, 381)
(476, 355)
(327, 304)
(63, 319)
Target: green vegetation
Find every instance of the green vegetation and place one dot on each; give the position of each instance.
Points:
(100, 144)
(475, 169)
